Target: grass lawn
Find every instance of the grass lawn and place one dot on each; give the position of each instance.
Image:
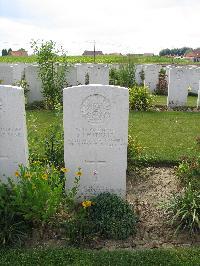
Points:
(165, 135)
(69, 256)
(162, 100)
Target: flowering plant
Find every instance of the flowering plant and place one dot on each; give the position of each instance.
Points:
(38, 192)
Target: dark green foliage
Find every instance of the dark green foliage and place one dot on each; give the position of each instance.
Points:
(13, 229)
(162, 86)
(142, 76)
(124, 76)
(112, 216)
(175, 51)
(184, 210)
(51, 71)
(4, 52)
(188, 171)
(140, 99)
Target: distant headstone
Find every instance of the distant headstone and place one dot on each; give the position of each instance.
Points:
(96, 137)
(177, 87)
(13, 134)
(198, 99)
(151, 73)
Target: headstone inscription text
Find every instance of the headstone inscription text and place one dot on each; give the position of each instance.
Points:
(96, 136)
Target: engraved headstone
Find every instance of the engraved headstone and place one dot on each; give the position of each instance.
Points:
(177, 87)
(96, 136)
(13, 136)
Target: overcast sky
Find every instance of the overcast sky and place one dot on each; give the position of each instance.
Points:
(128, 26)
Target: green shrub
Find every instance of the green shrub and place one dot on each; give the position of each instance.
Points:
(112, 216)
(38, 193)
(184, 210)
(188, 171)
(124, 76)
(140, 99)
(13, 228)
(162, 86)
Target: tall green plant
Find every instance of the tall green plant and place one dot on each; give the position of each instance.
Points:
(51, 72)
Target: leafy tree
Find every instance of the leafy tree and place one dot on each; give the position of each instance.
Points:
(9, 50)
(175, 51)
(51, 71)
(4, 52)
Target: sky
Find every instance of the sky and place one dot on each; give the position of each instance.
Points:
(122, 26)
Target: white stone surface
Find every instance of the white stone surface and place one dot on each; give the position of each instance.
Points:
(198, 99)
(178, 87)
(96, 136)
(151, 76)
(138, 69)
(11, 73)
(34, 82)
(13, 134)
(98, 73)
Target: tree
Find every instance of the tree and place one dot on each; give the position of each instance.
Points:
(52, 71)
(9, 50)
(175, 51)
(4, 52)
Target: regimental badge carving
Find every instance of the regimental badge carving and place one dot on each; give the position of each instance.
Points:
(179, 74)
(96, 109)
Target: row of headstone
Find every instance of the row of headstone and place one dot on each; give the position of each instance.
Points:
(95, 135)
(180, 85)
(76, 74)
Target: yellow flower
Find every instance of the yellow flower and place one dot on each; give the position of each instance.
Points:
(64, 170)
(45, 176)
(16, 173)
(27, 175)
(86, 203)
(79, 173)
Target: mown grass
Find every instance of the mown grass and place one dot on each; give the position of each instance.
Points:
(101, 59)
(162, 100)
(166, 136)
(70, 256)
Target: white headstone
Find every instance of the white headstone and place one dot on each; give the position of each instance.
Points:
(34, 82)
(151, 73)
(13, 134)
(198, 99)
(177, 87)
(96, 136)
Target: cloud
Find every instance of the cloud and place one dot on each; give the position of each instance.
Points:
(117, 26)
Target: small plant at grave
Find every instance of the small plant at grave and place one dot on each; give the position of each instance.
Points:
(13, 228)
(38, 194)
(162, 86)
(51, 72)
(142, 76)
(112, 216)
(188, 171)
(184, 210)
(54, 141)
(124, 76)
(24, 84)
(140, 99)
(87, 79)
(113, 76)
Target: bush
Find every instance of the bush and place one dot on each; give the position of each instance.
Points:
(188, 171)
(113, 217)
(13, 228)
(38, 193)
(162, 86)
(140, 99)
(124, 76)
(184, 210)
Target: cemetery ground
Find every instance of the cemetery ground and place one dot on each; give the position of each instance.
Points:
(165, 137)
(170, 135)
